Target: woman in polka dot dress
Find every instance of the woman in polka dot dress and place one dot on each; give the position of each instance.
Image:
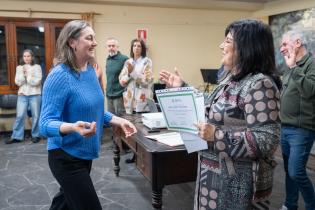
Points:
(236, 172)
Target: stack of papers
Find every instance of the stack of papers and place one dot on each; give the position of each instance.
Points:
(191, 141)
(171, 139)
(153, 120)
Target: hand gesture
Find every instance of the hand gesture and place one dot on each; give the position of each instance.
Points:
(24, 71)
(85, 129)
(130, 66)
(170, 79)
(290, 57)
(147, 72)
(128, 128)
(206, 131)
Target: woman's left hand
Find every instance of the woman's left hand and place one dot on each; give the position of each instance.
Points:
(128, 128)
(206, 131)
(130, 67)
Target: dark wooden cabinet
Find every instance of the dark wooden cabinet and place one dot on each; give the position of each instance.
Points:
(160, 164)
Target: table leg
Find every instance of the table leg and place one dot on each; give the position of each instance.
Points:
(157, 197)
(116, 159)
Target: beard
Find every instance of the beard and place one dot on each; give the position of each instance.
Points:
(112, 53)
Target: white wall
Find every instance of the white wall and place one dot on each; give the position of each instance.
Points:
(188, 39)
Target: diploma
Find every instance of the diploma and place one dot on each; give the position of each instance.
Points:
(182, 108)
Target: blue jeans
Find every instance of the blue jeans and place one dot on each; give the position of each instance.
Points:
(34, 102)
(296, 145)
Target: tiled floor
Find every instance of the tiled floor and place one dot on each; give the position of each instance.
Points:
(27, 184)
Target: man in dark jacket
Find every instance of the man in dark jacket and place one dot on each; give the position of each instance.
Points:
(297, 115)
(114, 91)
(114, 64)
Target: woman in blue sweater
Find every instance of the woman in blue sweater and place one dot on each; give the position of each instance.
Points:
(72, 118)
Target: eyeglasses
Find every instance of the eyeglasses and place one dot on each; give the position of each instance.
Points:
(228, 40)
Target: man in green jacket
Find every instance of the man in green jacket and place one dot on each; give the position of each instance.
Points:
(297, 115)
(114, 64)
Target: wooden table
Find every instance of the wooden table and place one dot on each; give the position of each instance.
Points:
(160, 164)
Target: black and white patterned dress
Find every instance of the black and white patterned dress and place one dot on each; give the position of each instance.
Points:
(235, 173)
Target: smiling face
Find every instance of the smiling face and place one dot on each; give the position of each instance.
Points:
(84, 46)
(287, 45)
(228, 52)
(27, 57)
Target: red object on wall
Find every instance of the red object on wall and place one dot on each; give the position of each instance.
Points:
(142, 34)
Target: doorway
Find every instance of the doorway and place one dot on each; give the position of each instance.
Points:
(18, 34)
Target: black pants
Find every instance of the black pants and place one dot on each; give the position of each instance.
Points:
(76, 188)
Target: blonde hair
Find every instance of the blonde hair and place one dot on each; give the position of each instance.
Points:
(64, 53)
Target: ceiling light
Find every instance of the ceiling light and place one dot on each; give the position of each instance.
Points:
(41, 29)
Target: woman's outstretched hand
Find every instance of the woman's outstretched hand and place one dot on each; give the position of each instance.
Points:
(171, 79)
(128, 128)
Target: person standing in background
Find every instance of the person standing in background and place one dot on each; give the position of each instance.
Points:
(99, 73)
(114, 64)
(297, 116)
(28, 77)
(137, 77)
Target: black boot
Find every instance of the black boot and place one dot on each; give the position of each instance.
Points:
(35, 139)
(131, 160)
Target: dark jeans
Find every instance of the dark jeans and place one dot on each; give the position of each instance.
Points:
(76, 188)
(296, 144)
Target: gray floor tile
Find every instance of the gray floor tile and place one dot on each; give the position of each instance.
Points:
(26, 182)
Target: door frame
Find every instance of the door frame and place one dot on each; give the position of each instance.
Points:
(11, 46)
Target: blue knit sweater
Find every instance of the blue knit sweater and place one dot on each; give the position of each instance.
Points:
(68, 97)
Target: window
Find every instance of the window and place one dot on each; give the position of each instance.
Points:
(17, 34)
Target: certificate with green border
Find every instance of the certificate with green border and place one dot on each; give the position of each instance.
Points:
(180, 108)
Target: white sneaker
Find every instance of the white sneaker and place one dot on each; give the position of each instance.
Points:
(283, 208)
